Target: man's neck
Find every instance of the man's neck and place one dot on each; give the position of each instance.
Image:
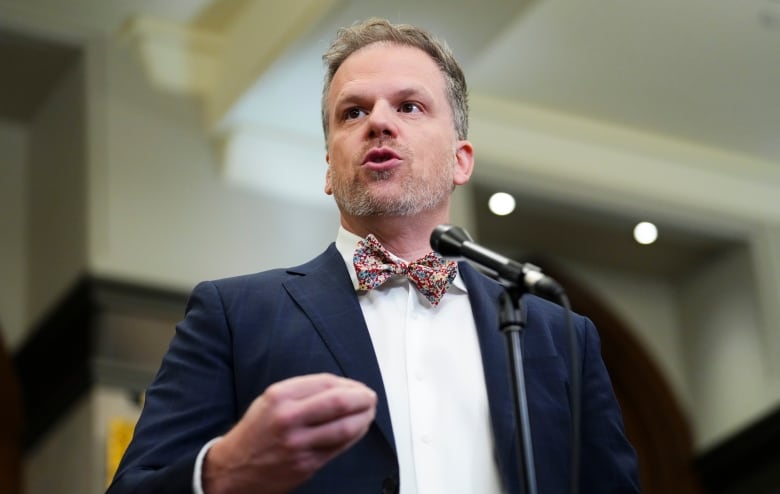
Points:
(408, 237)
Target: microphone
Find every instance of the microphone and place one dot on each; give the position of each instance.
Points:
(454, 241)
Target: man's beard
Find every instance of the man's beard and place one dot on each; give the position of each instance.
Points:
(356, 198)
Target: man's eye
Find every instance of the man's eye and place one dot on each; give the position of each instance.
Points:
(353, 113)
(409, 108)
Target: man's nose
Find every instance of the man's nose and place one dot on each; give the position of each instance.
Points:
(382, 121)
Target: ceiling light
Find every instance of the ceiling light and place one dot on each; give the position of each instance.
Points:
(645, 233)
(501, 203)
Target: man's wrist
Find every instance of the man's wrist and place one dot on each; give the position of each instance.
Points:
(197, 473)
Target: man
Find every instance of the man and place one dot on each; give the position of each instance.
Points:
(310, 380)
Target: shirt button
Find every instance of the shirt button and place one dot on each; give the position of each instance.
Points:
(426, 438)
(419, 375)
(389, 486)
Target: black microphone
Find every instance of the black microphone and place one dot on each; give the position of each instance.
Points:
(454, 241)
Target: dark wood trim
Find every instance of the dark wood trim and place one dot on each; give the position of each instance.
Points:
(56, 364)
(11, 425)
(53, 363)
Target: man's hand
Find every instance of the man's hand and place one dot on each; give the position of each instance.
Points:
(288, 433)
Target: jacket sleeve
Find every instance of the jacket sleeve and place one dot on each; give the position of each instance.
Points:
(608, 461)
(190, 401)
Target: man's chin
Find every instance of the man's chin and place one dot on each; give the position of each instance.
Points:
(389, 201)
(386, 209)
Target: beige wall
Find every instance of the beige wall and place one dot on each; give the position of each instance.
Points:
(13, 239)
(66, 462)
(44, 224)
(56, 227)
(168, 217)
(728, 360)
(73, 458)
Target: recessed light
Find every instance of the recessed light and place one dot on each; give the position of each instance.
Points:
(645, 233)
(501, 203)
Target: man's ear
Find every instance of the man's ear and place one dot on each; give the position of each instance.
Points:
(464, 162)
(328, 186)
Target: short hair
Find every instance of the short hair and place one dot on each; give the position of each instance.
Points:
(375, 30)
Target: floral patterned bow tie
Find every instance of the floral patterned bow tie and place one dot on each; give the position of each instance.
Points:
(432, 274)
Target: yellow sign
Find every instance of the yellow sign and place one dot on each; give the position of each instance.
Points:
(120, 431)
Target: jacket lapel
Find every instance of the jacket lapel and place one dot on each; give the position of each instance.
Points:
(484, 296)
(325, 294)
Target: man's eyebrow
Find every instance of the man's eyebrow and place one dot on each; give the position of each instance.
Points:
(412, 91)
(349, 99)
(358, 97)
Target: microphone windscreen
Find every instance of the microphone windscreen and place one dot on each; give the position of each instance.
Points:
(448, 240)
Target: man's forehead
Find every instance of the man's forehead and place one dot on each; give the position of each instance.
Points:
(399, 68)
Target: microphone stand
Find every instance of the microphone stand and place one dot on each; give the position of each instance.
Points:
(512, 323)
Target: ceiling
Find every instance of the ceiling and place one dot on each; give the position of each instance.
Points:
(702, 72)
(544, 232)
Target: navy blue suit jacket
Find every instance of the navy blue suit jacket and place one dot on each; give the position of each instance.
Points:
(242, 334)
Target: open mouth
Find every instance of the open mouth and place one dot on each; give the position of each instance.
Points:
(379, 156)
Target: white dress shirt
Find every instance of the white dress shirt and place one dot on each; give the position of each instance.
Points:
(432, 372)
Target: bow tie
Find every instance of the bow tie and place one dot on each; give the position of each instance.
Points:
(431, 274)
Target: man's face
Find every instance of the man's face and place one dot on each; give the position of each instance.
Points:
(392, 145)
